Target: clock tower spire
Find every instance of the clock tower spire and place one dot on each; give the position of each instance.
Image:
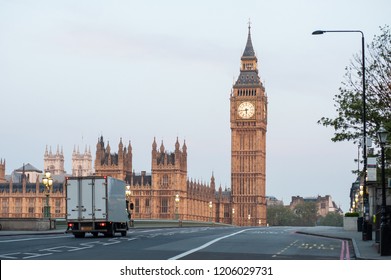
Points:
(248, 104)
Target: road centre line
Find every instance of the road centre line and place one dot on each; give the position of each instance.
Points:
(205, 245)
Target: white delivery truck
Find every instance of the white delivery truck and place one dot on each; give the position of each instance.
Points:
(96, 204)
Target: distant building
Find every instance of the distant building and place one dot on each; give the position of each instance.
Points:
(117, 165)
(27, 171)
(165, 193)
(54, 162)
(2, 170)
(273, 201)
(81, 162)
(23, 196)
(325, 204)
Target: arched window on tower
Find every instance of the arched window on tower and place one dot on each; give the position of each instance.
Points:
(165, 181)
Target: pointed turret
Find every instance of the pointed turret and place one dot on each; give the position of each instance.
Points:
(249, 50)
(154, 145)
(248, 70)
(162, 147)
(184, 147)
(176, 145)
(120, 145)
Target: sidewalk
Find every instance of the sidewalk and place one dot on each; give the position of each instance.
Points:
(364, 250)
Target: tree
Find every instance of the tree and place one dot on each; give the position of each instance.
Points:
(306, 213)
(348, 102)
(331, 219)
(280, 215)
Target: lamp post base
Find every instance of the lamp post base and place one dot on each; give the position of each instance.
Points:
(366, 231)
(385, 240)
(46, 211)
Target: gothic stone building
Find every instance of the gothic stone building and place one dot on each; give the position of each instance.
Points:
(166, 193)
(23, 195)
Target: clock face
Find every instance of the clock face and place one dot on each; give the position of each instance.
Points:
(246, 110)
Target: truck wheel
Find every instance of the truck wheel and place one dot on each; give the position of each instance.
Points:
(79, 234)
(95, 234)
(111, 232)
(124, 233)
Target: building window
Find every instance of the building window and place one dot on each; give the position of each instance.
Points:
(164, 205)
(31, 207)
(147, 206)
(226, 211)
(137, 205)
(4, 207)
(58, 206)
(18, 207)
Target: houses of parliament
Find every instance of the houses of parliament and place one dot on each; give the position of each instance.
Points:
(165, 192)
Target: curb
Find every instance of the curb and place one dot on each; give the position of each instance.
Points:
(355, 247)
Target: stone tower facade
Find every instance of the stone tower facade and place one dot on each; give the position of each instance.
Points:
(169, 176)
(54, 162)
(2, 170)
(81, 162)
(248, 106)
(117, 165)
(167, 193)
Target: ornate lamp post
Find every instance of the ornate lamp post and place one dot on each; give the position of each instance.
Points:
(48, 182)
(129, 204)
(128, 194)
(367, 231)
(176, 206)
(384, 227)
(210, 211)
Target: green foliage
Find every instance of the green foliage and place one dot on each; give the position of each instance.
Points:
(306, 213)
(331, 219)
(280, 215)
(353, 214)
(347, 123)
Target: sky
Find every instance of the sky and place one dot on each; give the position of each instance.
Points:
(71, 71)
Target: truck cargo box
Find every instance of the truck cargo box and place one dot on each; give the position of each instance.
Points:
(96, 204)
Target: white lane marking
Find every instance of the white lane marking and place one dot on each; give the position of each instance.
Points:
(205, 245)
(286, 248)
(35, 255)
(9, 256)
(35, 238)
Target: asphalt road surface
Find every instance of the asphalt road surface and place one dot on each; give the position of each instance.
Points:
(206, 243)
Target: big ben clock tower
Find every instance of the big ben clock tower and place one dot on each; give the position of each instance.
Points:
(248, 143)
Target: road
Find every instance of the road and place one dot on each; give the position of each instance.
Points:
(206, 243)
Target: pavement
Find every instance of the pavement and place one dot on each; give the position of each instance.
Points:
(364, 250)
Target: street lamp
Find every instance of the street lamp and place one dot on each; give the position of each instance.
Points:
(176, 206)
(366, 230)
(129, 205)
(384, 228)
(249, 218)
(233, 213)
(210, 211)
(48, 182)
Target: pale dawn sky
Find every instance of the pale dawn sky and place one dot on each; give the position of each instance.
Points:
(72, 71)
